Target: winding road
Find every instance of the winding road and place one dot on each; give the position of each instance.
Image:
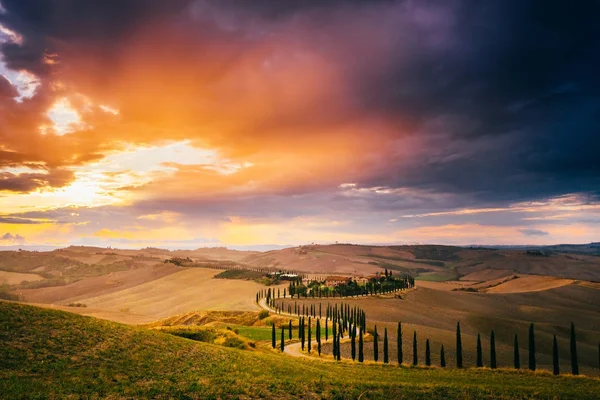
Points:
(295, 349)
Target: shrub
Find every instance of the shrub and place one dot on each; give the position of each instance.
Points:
(263, 314)
(234, 342)
(203, 335)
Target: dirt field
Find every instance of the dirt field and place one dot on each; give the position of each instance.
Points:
(95, 286)
(531, 283)
(14, 278)
(558, 265)
(187, 290)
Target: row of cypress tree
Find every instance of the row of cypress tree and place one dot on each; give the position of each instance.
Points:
(405, 281)
(356, 332)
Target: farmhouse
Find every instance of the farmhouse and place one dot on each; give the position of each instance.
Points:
(333, 281)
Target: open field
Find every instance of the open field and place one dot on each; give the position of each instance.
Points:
(15, 278)
(531, 283)
(98, 285)
(51, 354)
(187, 290)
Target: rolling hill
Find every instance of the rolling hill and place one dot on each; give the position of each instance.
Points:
(53, 354)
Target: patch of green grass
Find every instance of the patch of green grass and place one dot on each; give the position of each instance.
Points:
(260, 333)
(240, 274)
(438, 276)
(432, 252)
(54, 355)
(409, 260)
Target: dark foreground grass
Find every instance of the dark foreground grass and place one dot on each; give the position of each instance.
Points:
(52, 354)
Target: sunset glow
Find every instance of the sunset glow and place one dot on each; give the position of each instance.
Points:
(204, 123)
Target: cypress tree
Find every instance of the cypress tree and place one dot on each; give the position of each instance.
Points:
(574, 361)
(273, 340)
(326, 330)
(556, 368)
(282, 339)
(302, 332)
(309, 335)
(442, 357)
(492, 350)
(375, 345)
(339, 347)
(360, 346)
(459, 359)
(319, 336)
(479, 352)
(516, 356)
(353, 342)
(290, 331)
(334, 329)
(427, 353)
(531, 348)
(399, 340)
(385, 347)
(415, 357)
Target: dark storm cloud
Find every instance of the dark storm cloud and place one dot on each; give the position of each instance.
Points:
(46, 24)
(517, 96)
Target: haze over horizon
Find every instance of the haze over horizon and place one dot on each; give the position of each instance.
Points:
(194, 123)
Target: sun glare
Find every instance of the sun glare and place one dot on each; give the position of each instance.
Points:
(65, 117)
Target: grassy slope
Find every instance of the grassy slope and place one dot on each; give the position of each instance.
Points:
(52, 354)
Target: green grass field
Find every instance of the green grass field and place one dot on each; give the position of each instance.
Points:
(438, 276)
(52, 354)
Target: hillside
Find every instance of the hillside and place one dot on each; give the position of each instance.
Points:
(430, 262)
(53, 354)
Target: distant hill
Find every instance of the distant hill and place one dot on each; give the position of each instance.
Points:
(54, 354)
(435, 262)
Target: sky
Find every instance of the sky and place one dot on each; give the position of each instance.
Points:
(193, 123)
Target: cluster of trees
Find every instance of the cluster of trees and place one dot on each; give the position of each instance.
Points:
(317, 289)
(386, 283)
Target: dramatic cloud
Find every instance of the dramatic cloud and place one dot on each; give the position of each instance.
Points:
(236, 121)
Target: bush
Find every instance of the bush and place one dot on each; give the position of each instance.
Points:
(263, 314)
(203, 335)
(235, 343)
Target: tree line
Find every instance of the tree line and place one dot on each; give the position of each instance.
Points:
(351, 320)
